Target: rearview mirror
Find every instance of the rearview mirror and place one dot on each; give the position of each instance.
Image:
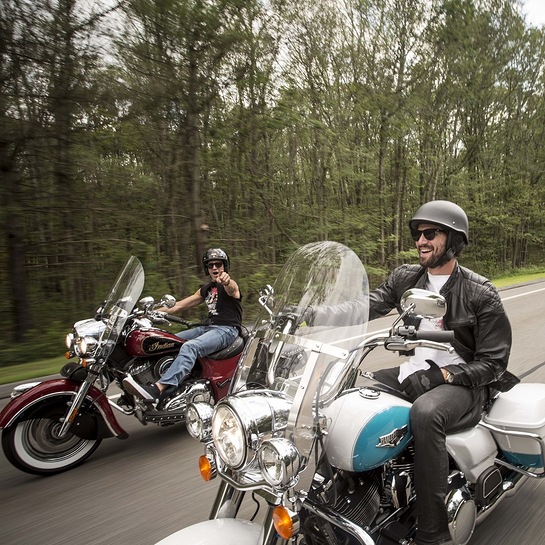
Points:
(423, 303)
(168, 300)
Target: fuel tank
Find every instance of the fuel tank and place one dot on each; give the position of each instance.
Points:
(152, 341)
(367, 427)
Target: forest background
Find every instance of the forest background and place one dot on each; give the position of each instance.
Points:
(158, 128)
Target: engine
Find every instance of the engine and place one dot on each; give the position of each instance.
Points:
(148, 371)
(356, 498)
(366, 499)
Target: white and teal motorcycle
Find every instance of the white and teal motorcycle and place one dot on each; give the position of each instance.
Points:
(328, 453)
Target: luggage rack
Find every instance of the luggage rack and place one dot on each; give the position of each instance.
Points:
(525, 435)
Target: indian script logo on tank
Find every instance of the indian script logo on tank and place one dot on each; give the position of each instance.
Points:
(157, 345)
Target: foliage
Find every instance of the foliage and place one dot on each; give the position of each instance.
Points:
(161, 128)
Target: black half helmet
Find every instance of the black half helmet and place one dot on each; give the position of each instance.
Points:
(215, 254)
(450, 216)
(443, 213)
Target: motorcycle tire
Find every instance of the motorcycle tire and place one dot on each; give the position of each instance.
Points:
(32, 444)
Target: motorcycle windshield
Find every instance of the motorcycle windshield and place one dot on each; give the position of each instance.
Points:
(121, 302)
(305, 342)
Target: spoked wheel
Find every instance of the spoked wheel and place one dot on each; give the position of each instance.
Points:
(34, 446)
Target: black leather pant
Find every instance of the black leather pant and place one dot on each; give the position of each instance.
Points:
(433, 415)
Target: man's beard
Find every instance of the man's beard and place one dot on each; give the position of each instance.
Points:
(438, 261)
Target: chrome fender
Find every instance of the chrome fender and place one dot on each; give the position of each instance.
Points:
(212, 532)
(55, 388)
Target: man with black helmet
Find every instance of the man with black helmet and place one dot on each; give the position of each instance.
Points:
(223, 298)
(448, 390)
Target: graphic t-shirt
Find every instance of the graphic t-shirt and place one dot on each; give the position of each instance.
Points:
(222, 308)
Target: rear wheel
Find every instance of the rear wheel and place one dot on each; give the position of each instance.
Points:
(33, 445)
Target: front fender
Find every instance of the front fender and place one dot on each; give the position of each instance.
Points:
(55, 388)
(216, 531)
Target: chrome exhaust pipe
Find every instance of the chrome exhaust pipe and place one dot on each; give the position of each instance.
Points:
(189, 394)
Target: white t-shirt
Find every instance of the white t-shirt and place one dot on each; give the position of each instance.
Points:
(440, 357)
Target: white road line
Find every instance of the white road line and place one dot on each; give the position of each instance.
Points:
(522, 294)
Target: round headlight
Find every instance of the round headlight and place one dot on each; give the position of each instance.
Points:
(198, 420)
(85, 346)
(280, 462)
(69, 340)
(228, 435)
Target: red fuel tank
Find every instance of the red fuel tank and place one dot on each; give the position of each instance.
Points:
(148, 342)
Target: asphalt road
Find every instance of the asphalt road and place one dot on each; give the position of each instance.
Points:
(139, 490)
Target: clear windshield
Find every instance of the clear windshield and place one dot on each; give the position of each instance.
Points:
(306, 340)
(121, 301)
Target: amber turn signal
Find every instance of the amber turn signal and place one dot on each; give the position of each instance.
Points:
(283, 523)
(205, 467)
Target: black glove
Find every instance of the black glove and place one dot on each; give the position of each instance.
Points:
(423, 381)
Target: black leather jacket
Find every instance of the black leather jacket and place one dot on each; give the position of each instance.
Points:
(474, 312)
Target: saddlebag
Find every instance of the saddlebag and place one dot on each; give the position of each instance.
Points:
(517, 421)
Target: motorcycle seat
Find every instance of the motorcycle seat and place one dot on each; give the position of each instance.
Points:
(233, 349)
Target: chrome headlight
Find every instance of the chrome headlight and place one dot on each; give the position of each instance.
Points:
(280, 462)
(241, 422)
(198, 420)
(229, 436)
(85, 346)
(69, 340)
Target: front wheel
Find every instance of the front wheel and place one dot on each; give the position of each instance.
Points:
(33, 445)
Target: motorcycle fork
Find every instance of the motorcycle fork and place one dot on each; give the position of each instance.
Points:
(269, 535)
(76, 403)
(227, 504)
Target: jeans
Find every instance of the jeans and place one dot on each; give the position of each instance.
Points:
(200, 341)
(433, 414)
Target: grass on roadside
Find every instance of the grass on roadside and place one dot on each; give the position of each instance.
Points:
(518, 279)
(51, 366)
(29, 371)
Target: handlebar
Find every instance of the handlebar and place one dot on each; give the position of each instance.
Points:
(162, 317)
(407, 338)
(178, 320)
(412, 334)
(170, 318)
(436, 336)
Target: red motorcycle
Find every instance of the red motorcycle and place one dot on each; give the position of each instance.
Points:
(55, 425)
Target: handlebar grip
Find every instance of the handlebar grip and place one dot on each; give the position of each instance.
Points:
(171, 318)
(437, 336)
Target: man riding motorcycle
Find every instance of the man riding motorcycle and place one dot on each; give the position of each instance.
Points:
(448, 391)
(223, 298)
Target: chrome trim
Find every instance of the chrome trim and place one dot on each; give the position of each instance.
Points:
(325, 512)
(286, 457)
(22, 388)
(114, 405)
(245, 480)
(203, 412)
(515, 433)
(186, 396)
(227, 501)
(508, 489)
(261, 413)
(393, 438)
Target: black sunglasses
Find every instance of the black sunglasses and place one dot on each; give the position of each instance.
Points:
(216, 264)
(429, 234)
